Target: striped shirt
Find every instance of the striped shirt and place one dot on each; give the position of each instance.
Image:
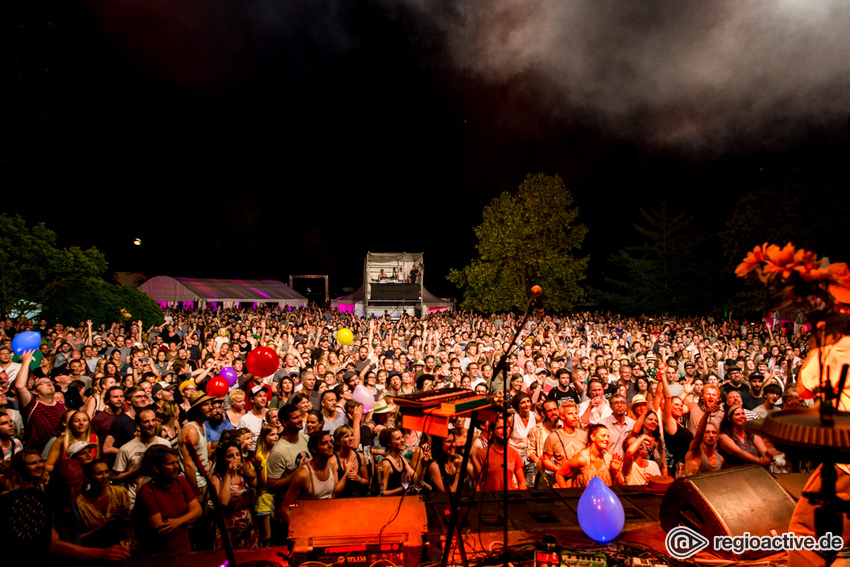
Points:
(42, 423)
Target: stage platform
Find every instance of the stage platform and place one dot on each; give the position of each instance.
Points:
(532, 515)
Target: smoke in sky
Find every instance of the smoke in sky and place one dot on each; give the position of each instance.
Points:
(694, 74)
(714, 75)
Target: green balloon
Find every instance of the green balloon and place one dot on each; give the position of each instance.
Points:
(37, 356)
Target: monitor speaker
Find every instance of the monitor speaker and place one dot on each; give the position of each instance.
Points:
(730, 502)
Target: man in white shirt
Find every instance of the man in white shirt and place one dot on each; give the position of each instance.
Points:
(619, 425)
(253, 420)
(334, 416)
(596, 407)
(6, 365)
(129, 460)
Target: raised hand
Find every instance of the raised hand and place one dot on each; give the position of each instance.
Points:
(616, 463)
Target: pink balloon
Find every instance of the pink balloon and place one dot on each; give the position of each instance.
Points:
(364, 396)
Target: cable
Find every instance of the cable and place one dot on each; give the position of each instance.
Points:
(401, 500)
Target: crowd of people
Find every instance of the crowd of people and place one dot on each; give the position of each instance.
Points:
(112, 433)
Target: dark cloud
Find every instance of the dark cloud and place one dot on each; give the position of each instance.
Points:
(720, 74)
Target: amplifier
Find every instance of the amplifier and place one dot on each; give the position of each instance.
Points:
(348, 532)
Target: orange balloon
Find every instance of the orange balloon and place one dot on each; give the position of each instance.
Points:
(536, 291)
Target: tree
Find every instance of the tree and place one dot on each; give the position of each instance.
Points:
(673, 271)
(102, 302)
(33, 268)
(807, 207)
(526, 238)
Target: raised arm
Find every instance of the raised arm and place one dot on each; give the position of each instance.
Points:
(697, 440)
(24, 395)
(667, 419)
(299, 484)
(189, 436)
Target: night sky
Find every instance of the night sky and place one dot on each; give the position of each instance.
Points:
(260, 138)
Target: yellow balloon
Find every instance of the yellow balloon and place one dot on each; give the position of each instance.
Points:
(345, 337)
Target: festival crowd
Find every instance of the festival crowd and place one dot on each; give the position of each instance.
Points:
(111, 442)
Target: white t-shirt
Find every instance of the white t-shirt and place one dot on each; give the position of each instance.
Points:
(130, 455)
(837, 355)
(255, 424)
(596, 414)
(12, 371)
(640, 476)
(519, 435)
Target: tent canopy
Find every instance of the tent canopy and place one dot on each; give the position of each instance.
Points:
(175, 289)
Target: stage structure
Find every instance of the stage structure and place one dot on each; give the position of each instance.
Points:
(392, 283)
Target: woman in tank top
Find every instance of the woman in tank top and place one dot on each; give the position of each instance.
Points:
(349, 459)
(234, 482)
(594, 461)
(394, 466)
(703, 455)
(315, 480)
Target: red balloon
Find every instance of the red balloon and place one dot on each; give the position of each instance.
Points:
(218, 387)
(262, 362)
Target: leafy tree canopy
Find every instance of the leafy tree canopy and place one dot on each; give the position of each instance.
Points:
(102, 302)
(528, 238)
(806, 207)
(33, 268)
(673, 271)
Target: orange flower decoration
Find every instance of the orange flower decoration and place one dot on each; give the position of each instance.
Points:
(840, 273)
(800, 273)
(805, 261)
(751, 262)
(780, 262)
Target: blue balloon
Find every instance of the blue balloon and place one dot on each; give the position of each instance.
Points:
(28, 340)
(600, 512)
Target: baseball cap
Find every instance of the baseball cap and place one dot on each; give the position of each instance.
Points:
(78, 446)
(259, 388)
(160, 386)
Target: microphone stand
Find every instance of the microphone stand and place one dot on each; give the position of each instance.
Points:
(503, 367)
